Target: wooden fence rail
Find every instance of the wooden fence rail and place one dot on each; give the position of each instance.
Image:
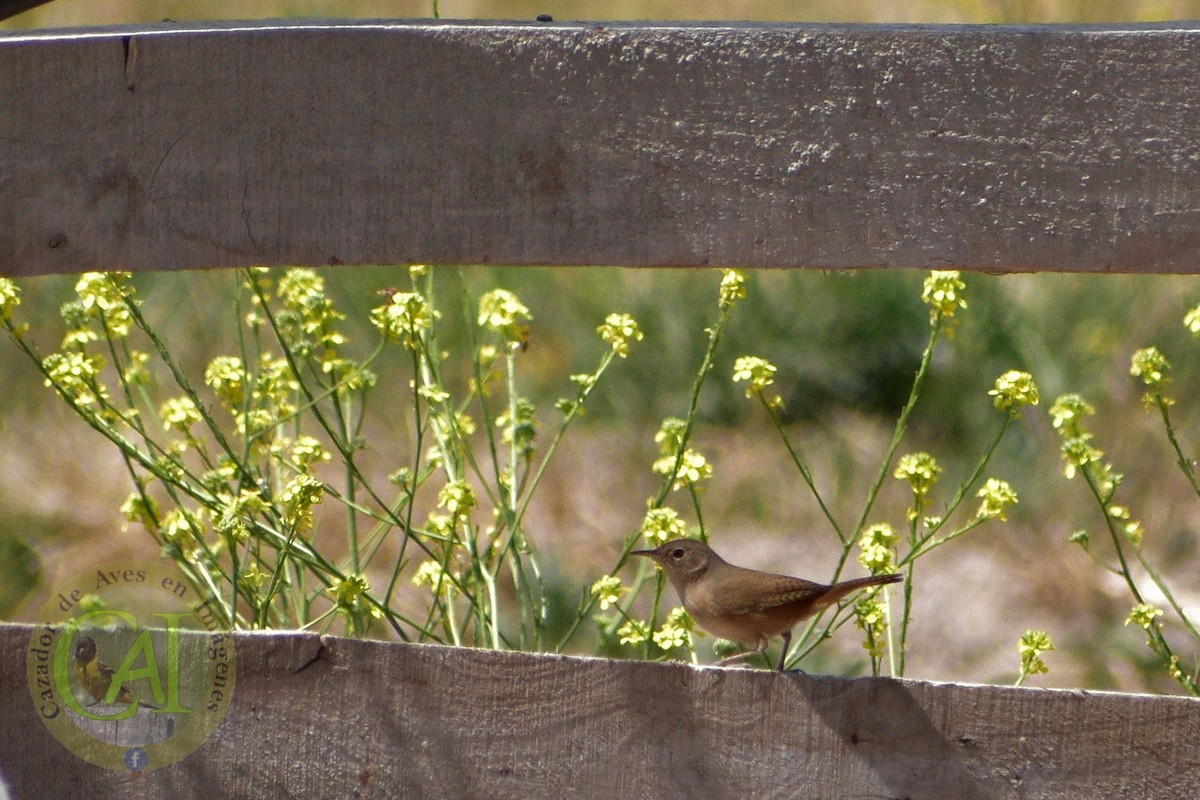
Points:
(318, 717)
(196, 146)
(211, 145)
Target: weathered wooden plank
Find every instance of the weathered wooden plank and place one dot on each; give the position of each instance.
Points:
(995, 148)
(327, 717)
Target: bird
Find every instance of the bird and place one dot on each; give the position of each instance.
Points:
(96, 677)
(746, 605)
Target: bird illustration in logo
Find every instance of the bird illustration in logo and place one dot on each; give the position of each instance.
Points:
(96, 677)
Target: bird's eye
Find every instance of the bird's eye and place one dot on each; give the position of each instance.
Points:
(677, 552)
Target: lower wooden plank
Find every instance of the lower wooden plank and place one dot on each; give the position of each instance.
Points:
(328, 717)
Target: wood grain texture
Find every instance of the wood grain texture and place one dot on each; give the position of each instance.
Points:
(327, 717)
(990, 148)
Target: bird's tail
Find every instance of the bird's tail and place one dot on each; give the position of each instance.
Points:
(872, 580)
(840, 590)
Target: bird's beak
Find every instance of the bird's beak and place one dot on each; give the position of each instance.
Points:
(653, 554)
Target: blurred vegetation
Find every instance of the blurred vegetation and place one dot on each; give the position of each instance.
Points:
(110, 12)
(846, 346)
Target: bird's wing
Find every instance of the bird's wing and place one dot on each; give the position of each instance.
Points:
(766, 591)
(104, 670)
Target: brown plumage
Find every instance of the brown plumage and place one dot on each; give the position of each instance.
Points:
(746, 605)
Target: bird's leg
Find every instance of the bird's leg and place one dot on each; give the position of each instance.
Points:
(734, 659)
(787, 643)
(762, 646)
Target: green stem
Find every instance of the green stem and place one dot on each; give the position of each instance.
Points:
(805, 473)
(935, 329)
(1158, 641)
(1184, 463)
(714, 336)
(897, 434)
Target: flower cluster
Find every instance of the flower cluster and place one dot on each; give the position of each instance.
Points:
(1067, 415)
(662, 525)
(1151, 366)
(1145, 616)
(179, 414)
(232, 529)
(871, 617)
(307, 451)
(179, 526)
(143, 509)
(943, 292)
(518, 426)
(758, 374)
(1013, 390)
(921, 470)
(877, 546)
(633, 632)
(457, 497)
(670, 436)
(76, 376)
(693, 466)
(253, 579)
(996, 495)
(105, 296)
(618, 331)
(1030, 647)
(608, 591)
(308, 321)
(431, 574)
(405, 318)
(226, 376)
(502, 312)
(1133, 529)
(271, 401)
(351, 596)
(733, 288)
(1191, 321)
(10, 298)
(298, 498)
(676, 631)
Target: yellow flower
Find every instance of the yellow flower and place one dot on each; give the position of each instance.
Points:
(633, 632)
(759, 373)
(943, 291)
(10, 298)
(501, 311)
(608, 591)
(179, 413)
(619, 330)
(1014, 389)
(662, 525)
(429, 574)
(405, 318)
(733, 287)
(996, 495)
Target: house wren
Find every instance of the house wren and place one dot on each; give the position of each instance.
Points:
(745, 605)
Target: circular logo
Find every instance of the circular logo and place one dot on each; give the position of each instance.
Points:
(129, 668)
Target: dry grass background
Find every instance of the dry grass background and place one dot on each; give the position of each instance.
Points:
(62, 486)
(107, 12)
